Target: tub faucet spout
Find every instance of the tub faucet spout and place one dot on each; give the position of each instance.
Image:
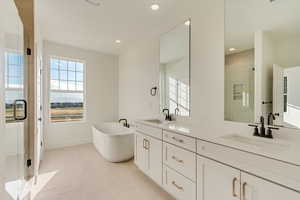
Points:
(124, 124)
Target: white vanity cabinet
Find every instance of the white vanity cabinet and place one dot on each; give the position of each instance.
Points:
(194, 169)
(178, 185)
(148, 156)
(140, 153)
(217, 181)
(220, 181)
(179, 165)
(254, 188)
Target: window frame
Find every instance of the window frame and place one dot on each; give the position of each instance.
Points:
(177, 82)
(22, 89)
(83, 120)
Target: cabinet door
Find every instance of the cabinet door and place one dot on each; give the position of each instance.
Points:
(154, 147)
(140, 152)
(254, 188)
(217, 181)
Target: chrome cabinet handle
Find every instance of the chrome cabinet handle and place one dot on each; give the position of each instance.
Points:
(177, 186)
(178, 160)
(233, 187)
(244, 191)
(177, 140)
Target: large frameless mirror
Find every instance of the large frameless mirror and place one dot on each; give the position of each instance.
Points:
(175, 70)
(262, 62)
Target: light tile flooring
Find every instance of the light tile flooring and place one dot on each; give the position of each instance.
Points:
(80, 173)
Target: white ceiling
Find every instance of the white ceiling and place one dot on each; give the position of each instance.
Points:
(80, 24)
(244, 17)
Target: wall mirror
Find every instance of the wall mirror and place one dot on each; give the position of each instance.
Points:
(262, 61)
(175, 70)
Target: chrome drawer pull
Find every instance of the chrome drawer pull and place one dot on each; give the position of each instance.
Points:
(176, 159)
(177, 186)
(177, 140)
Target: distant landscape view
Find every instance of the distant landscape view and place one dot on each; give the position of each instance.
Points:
(64, 112)
(10, 112)
(66, 107)
(10, 97)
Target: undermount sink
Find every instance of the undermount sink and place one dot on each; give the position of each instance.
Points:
(156, 121)
(258, 143)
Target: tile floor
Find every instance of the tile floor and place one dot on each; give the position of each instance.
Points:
(80, 173)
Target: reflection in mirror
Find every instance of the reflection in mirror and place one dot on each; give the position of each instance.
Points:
(262, 62)
(239, 84)
(175, 70)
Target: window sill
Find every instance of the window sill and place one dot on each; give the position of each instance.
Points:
(68, 123)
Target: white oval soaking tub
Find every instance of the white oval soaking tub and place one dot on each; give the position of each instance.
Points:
(114, 142)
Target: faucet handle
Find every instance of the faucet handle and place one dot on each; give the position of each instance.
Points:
(262, 120)
(269, 134)
(256, 132)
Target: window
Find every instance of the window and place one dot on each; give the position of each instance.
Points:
(179, 93)
(66, 90)
(14, 75)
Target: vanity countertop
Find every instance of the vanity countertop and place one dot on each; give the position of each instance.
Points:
(283, 150)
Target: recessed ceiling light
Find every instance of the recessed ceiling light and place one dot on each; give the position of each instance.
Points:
(118, 41)
(187, 23)
(93, 2)
(155, 6)
(232, 49)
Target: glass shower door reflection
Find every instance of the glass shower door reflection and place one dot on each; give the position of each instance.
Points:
(13, 107)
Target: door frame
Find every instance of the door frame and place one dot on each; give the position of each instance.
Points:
(26, 13)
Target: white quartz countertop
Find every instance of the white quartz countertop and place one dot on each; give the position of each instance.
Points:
(284, 150)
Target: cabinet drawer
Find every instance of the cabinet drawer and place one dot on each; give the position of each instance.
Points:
(177, 185)
(180, 140)
(149, 130)
(180, 160)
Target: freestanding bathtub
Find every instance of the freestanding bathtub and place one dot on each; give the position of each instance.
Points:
(114, 142)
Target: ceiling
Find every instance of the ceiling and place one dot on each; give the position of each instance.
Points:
(243, 18)
(78, 23)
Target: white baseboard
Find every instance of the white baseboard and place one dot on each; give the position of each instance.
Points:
(60, 144)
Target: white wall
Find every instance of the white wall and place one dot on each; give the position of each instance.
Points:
(101, 95)
(293, 93)
(179, 70)
(287, 51)
(14, 140)
(139, 71)
(265, 46)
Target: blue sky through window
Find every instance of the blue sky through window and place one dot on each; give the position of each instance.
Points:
(67, 81)
(66, 75)
(66, 90)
